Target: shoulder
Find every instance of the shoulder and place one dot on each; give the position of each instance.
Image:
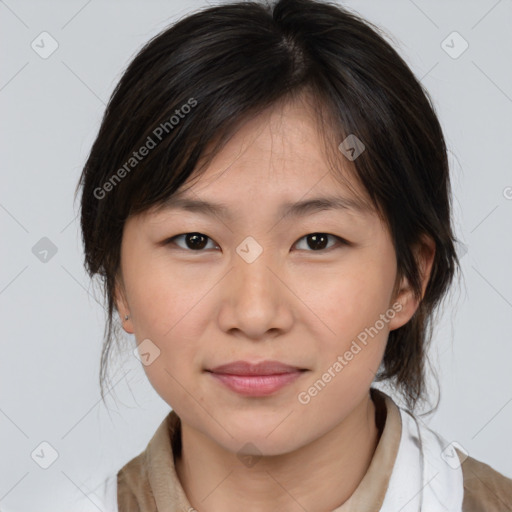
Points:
(485, 489)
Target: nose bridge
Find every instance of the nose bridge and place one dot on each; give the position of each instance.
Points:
(253, 302)
(252, 272)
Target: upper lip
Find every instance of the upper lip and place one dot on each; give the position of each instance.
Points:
(261, 368)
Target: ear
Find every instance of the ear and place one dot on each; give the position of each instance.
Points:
(404, 302)
(122, 305)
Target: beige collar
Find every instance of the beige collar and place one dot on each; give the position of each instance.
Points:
(369, 495)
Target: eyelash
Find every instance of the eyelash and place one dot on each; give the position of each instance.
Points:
(341, 241)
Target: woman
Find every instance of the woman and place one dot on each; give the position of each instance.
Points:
(268, 204)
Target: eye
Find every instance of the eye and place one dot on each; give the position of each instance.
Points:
(198, 241)
(193, 241)
(318, 241)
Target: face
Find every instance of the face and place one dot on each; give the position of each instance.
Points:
(311, 288)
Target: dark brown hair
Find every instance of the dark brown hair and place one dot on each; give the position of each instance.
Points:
(186, 91)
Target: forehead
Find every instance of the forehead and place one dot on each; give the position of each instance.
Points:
(277, 156)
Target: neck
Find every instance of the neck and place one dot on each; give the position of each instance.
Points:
(321, 475)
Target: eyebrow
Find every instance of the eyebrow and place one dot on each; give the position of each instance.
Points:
(297, 209)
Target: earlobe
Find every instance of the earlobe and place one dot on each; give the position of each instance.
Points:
(122, 307)
(404, 305)
(405, 300)
(127, 324)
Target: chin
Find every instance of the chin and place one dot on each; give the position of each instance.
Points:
(261, 446)
(260, 438)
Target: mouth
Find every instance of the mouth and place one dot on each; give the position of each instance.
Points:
(260, 379)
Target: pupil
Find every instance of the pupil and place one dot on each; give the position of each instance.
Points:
(196, 241)
(317, 241)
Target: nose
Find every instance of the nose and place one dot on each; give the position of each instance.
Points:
(256, 301)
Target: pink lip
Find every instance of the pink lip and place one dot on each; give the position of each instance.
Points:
(259, 379)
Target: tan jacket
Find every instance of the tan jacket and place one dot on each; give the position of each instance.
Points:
(149, 483)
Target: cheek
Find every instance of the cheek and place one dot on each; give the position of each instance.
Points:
(163, 296)
(169, 311)
(173, 322)
(351, 297)
(350, 354)
(169, 377)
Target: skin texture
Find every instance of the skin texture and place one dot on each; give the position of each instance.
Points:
(295, 304)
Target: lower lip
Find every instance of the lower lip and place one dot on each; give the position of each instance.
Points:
(256, 385)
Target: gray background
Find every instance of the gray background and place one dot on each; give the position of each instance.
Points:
(51, 320)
